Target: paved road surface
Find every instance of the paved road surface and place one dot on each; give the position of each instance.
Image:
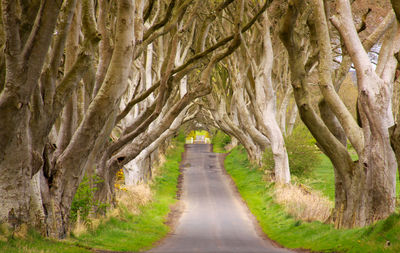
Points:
(214, 220)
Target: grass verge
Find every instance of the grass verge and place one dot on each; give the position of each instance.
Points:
(127, 232)
(34, 243)
(291, 233)
(138, 232)
(322, 178)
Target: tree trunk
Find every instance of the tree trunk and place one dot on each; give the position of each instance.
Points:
(283, 110)
(245, 118)
(70, 165)
(374, 102)
(15, 176)
(24, 62)
(364, 189)
(292, 119)
(266, 102)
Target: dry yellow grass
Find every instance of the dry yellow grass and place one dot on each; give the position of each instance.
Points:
(303, 204)
(133, 197)
(79, 227)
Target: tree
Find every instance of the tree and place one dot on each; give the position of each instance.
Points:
(364, 189)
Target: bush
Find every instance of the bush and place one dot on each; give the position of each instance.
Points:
(302, 152)
(83, 202)
(220, 138)
(181, 136)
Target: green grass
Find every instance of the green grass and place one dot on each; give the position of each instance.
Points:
(126, 233)
(291, 233)
(322, 178)
(134, 233)
(36, 243)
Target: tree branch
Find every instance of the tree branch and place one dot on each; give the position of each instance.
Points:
(222, 42)
(148, 10)
(138, 98)
(350, 126)
(39, 39)
(11, 30)
(345, 25)
(68, 84)
(160, 24)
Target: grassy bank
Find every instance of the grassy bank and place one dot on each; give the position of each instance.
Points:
(137, 232)
(281, 227)
(323, 179)
(127, 232)
(33, 243)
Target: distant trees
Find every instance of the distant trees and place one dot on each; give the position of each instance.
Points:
(248, 111)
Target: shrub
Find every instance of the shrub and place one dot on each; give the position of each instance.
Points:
(83, 202)
(221, 139)
(181, 136)
(302, 152)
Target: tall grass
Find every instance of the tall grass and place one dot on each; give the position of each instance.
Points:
(35, 243)
(303, 203)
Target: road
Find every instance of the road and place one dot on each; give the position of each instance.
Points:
(214, 219)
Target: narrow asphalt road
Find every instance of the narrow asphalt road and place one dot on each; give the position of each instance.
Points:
(214, 219)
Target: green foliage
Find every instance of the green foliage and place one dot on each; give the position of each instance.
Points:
(303, 154)
(195, 133)
(322, 178)
(318, 237)
(220, 140)
(83, 202)
(192, 134)
(181, 136)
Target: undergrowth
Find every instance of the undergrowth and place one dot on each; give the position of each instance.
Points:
(219, 141)
(303, 203)
(303, 154)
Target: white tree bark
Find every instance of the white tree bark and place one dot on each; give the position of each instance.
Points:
(266, 102)
(133, 172)
(292, 119)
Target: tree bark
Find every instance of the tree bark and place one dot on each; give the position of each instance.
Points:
(24, 62)
(266, 102)
(377, 156)
(69, 166)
